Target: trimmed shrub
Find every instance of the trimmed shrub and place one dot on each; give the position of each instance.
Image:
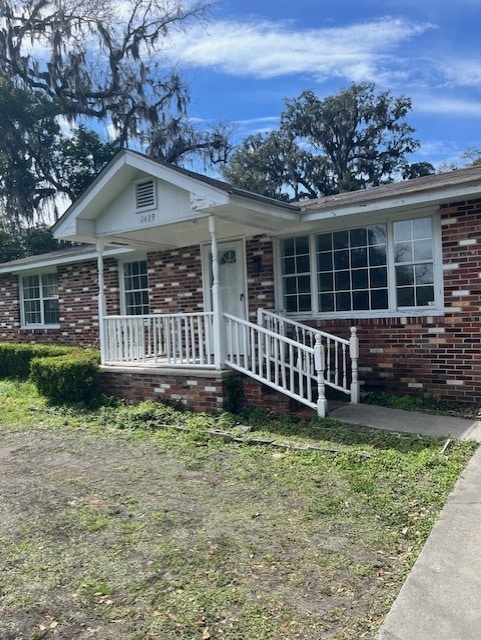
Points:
(15, 358)
(72, 377)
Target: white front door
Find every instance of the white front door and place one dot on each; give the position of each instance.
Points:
(232, 279)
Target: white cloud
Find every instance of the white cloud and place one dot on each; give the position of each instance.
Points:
(269, 49)
(463, 72)
(449, 106)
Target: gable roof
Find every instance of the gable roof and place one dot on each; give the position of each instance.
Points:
(186, 197)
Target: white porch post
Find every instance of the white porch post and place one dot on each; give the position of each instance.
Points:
(218, 319)
(101, 299)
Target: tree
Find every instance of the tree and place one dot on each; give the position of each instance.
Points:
(473, 155)
(37, 161)
(90, 62)
(356, 139)
(418, 170)
(32, 241)
(78, 159)
(28, 133)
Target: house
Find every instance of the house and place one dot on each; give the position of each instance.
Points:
(182, 279)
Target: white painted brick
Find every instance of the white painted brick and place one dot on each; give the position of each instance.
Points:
(452, 309)
(436, 330)
(461, 293)
(448, 221)
(415, 385)
(467, 242)
(193, 383)
(380, 350)
(451, 266)
(211, 389)
(455, 383)
(158, 390)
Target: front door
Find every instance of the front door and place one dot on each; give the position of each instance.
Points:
(232, 280)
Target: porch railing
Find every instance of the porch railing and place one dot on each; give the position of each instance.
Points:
(180, 339)
(341, 354)
(278, 361)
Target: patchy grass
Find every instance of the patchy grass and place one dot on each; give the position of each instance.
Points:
(114, 528)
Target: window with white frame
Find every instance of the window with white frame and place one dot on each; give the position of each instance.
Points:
(372, 269)
(135, 288)
(40, 300)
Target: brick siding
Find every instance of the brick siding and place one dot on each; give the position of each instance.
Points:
(427, 355)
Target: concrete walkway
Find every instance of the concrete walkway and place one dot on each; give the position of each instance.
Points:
(411, 421)
(441, 598)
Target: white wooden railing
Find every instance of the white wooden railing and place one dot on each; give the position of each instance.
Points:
(341, 354)
(278, 361)
(291, 357)
(180, 339)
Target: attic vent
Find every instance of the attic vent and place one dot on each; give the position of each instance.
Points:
(144, 195)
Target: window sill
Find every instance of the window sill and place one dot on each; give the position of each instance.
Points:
(411, 313)
(43, 327)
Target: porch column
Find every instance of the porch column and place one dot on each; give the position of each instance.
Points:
(218, 319)
(101, 299)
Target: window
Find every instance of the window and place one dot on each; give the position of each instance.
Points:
(40, 300)
(380, 268)
(295, 261)
(136, 288)
(413, 259)
(352, 269)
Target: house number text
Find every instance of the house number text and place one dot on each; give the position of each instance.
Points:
(146, 218)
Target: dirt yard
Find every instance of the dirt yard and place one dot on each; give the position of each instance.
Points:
(124, 538)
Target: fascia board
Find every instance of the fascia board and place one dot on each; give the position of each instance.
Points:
(408, 201)
(53, 262)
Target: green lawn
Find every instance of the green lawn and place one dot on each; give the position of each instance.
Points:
(115, 525)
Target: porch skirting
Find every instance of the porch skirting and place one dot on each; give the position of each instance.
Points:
(197, 389)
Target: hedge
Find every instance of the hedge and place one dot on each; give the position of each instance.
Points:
(66, 378)
(61, 373)
(15, 358)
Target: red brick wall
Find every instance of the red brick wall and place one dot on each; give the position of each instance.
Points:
(197, 393)
(260, 274)
(431, 355)
(175, 281)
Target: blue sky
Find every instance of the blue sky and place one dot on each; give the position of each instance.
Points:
(251, 55)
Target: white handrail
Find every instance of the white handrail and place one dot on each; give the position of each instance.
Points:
(341, 354)
(277, 361)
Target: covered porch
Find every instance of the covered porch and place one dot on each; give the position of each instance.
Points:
(143, 205)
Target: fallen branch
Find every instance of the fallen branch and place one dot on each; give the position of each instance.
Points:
(253, 441)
